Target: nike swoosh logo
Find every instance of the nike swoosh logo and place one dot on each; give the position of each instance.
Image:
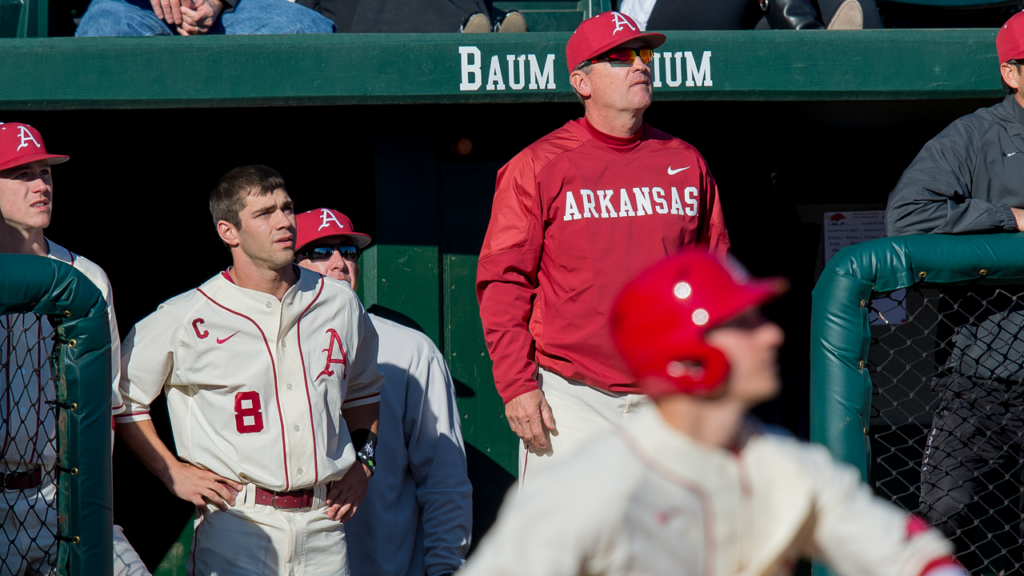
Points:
(219, 341)
(671, 171)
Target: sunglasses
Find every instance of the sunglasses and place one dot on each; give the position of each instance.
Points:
(624, 55)
(325, 251)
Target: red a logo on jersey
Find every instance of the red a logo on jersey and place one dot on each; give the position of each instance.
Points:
(330, 359)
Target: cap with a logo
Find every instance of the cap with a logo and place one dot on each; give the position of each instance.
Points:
(602, 33)
(21, 144)
(1010, 40)
(323, 223)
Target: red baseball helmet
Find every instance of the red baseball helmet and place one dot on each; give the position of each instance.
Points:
(659, 320)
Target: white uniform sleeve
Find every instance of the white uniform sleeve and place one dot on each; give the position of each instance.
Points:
(364, 380)
(147, 357)
(858, 534)
(116, 404)
(567, 524)
(437, 462)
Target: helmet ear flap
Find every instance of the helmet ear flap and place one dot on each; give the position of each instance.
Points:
(707, 378)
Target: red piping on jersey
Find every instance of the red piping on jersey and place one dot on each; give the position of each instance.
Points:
(702, 496)
(302, 359)
(273, 368)
(939, 563)
(361, 398)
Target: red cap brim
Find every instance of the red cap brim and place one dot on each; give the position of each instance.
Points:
(29, 158)
(359, 239)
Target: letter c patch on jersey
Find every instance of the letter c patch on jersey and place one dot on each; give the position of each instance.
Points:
(195, 326)
(330, 359)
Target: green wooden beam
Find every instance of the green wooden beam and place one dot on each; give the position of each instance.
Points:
(293, 70)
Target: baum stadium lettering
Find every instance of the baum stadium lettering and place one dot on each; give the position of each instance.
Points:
(602, 203)
(527, 71)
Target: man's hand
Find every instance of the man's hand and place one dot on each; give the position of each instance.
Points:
(201, 487)
(347, 494)
(530, 418)
(198, 16)
(1018, 215)
(167, 10)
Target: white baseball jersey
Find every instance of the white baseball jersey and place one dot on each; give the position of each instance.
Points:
(255, 385)
(27, 423)
(646, 499)
(417, 516)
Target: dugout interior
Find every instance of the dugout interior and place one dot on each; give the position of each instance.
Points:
(793, 125)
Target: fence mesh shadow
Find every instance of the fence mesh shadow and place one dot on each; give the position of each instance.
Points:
(947, 415)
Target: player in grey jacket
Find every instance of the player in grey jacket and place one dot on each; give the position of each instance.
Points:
(967, 179)
(970, 179)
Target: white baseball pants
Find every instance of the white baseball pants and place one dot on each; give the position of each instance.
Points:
(581, 412)
(28, 543)
(250, 539)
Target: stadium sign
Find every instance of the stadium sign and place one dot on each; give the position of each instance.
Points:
(526, 71)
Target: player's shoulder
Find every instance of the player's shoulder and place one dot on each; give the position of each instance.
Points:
(983, 120)
(781, 447)
(550, 147)
(666, 140)
(92, 270)
(326, 291)
(607, 456)
(397, 334)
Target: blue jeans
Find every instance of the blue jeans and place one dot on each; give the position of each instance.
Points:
(136, 18)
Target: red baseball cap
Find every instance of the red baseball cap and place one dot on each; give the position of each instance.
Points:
(602, 33)
(323, 223)
(1010, 40)
(21, 144)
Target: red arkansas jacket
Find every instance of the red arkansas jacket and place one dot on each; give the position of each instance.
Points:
(576, 215)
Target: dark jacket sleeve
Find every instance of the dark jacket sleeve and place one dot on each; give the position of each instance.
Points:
(934, 194)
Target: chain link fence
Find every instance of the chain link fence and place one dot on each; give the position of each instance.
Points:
(946, 424)
(29, 535)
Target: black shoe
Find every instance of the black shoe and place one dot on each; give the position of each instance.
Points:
(791, 15)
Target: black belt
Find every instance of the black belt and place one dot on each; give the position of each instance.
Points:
(22, 480)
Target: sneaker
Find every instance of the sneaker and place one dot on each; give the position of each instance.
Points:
(849, 16)
(512, 21)
(475, 23)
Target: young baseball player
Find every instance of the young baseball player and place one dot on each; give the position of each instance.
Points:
(28, 540)
(692, 485)
(417, 516)
(574, 215)
(270, 373)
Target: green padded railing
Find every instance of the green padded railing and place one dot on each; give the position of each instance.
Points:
(79, 314)
(840, 334)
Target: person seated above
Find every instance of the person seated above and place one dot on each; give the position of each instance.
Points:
(417, 16)
(193, 17)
